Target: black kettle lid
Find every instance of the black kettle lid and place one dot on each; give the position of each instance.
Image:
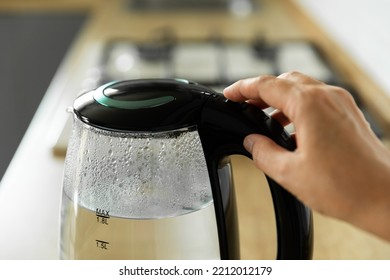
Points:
(143, 105)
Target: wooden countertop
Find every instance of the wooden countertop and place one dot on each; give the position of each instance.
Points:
(276, 19)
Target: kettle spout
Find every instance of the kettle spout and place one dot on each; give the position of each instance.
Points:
(70, 110)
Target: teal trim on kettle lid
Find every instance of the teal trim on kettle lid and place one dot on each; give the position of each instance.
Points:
(184, 81)
(107, 101)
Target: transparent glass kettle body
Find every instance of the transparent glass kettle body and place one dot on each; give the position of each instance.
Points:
(136, 196)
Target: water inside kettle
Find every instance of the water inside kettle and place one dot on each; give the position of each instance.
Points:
(137, 196)
(89, 236)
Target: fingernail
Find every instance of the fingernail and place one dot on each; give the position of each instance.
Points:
(227, 89)
(248, 143)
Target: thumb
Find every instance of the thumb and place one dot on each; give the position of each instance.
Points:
(269, 157)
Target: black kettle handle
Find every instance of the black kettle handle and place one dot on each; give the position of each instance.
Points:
(222, 129)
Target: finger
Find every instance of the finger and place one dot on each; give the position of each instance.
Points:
(245, 89)
(250, 89)
(271, 158)
(270, 90)
(301, 78)
(239, 90)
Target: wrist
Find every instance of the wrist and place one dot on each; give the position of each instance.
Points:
(373, 210)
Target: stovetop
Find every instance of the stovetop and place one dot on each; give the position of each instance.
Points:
(215, 62)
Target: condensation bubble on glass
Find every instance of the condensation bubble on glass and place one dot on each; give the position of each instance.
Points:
(136, 175)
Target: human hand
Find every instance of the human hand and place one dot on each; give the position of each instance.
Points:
(339, 168)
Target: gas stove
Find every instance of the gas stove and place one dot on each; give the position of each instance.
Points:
(215, 62)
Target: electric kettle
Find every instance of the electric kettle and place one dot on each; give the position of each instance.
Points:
(147, 175)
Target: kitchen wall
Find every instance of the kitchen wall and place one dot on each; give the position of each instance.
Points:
(362, 28)
(32, 45)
